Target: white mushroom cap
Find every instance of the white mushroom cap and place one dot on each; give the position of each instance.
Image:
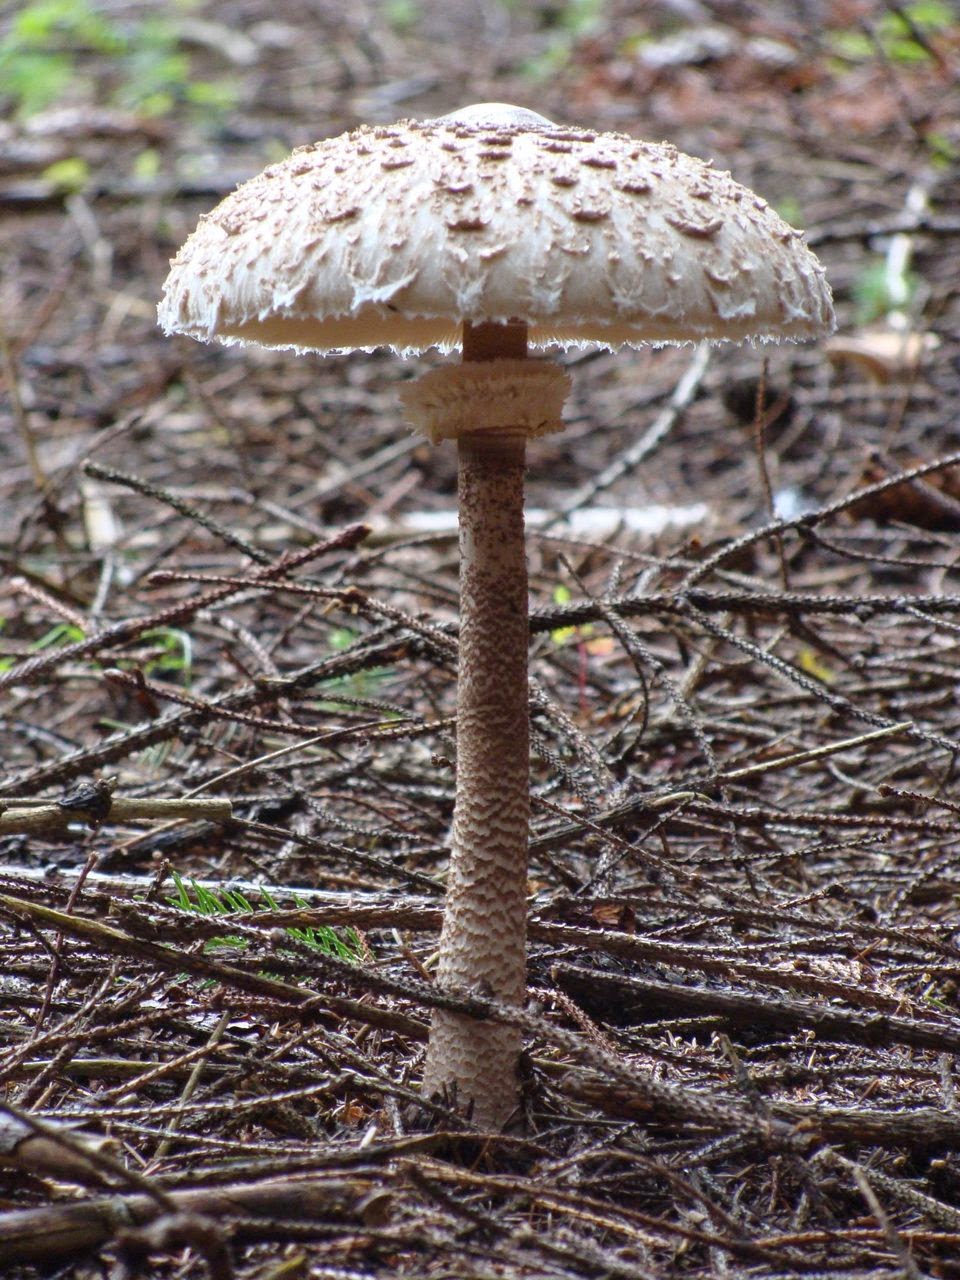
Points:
(394, 236)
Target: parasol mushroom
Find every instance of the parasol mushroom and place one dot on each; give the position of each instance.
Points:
(496, 228)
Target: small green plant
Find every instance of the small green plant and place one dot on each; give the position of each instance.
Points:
(174, 656)
(61, 633)
(68, 176)
(156, 71)
(45, 55)
(899, 36)
(401, 15)
(944, 153)
(790, 211)
(341, 638)
(560, 635)
(204, 902)
(37, 55)
(361, 684)
(569, 22)
(876, 293)
(146, 164)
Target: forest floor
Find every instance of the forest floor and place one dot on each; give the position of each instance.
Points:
(743, 1037)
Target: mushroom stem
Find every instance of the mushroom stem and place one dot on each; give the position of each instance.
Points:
(483, 941)
(491, 341)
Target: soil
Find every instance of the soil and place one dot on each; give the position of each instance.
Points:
(743, 1032)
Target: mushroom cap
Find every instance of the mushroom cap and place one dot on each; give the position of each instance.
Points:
(395, 235)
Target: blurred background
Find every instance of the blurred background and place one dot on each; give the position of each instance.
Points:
(712, 733)
(122, 122)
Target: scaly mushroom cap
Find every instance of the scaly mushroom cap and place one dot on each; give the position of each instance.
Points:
(393, 236)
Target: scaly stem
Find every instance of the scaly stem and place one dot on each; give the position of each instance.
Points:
(483, 942)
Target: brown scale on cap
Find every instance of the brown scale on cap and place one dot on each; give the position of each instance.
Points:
(498, 227)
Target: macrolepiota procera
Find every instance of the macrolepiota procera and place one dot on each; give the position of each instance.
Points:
(496, 230)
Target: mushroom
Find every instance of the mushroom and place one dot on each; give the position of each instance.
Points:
(496, 227)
